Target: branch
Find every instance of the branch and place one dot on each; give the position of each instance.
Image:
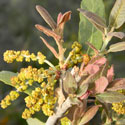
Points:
(52, 120)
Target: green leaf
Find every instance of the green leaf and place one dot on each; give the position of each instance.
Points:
(69, 83)
(5, 76)
(82, 89)
(120, 46)
(97, 21)
(34, 121)
(117, 15)
(110, 97)
(88, 32)
(89, 115)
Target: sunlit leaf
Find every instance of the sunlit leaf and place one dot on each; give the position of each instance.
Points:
(88, 32)
(34, 121)
(89, 115)
(120, 46)
(5, 77)
(117, 15)
(110, 97)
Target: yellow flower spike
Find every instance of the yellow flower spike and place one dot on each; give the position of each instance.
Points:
(26, 114)
(19, 58)
(9, 56)
(43, 85)
(40, 58)
(47, 110)
(38, 89)
(35, 94)
(3, 104)
(36, 107)
(30, 82)
(14, 95)
(33, 57)
(119, 107)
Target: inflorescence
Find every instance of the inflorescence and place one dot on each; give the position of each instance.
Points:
(119, 107)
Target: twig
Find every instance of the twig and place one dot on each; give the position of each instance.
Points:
(59, 113)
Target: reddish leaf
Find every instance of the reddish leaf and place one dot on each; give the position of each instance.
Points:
(48, 32)
(101, 84)
(100, 61)
(91, 69)
(46, 16)
(50, 47)
(59, 17)
(89, 114)
(62, 20)
(110, 74)
(117, 84)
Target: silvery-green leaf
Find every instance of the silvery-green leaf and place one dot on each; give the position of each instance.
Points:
(117, 15)
(82, 89)
(34, 121)
(5, 77)
(93, 18)
(120, 46)
(69, 83)
(120, 35)
(110, 97)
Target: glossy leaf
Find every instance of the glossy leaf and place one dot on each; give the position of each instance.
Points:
(117, 84)
(34, 121)
(89, 115)
(117, 15)
(69, 83)
(88, 32)
(110, 97)
(117, 47)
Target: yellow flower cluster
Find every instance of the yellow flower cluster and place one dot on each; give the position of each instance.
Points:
(19, 56)
(120, 106)
(13, 95)
(65, 121)
(48, 97)
(33, 103)
(86, 58)
(41, 98)
(26, 77)
(76, 54)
